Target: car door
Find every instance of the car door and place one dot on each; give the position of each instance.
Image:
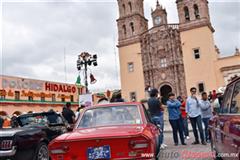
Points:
(221, 129)
(233, 142)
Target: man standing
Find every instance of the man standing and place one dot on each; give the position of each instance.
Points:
(156, 112)
(68, 114)
(175, 118)
(194, 112)
(206, 113)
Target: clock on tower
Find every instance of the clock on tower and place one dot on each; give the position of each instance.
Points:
(158, 20)
(159, 15)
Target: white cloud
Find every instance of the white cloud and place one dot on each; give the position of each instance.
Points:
(35, 34)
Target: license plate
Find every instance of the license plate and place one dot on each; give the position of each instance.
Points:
(102, 152)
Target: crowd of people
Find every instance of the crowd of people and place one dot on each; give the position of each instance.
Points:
(183, 109)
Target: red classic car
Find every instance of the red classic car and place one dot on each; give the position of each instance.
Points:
(225, 125)
(110, 131)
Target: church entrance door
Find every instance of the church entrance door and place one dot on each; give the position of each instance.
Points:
(164, 91)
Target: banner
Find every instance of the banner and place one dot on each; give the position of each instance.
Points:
(86, 99)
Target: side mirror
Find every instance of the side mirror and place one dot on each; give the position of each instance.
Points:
(69, 129)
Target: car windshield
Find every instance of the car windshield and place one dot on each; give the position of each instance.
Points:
(106, 116)
(40, 119)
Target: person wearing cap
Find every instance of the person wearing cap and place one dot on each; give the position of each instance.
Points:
(156, 111)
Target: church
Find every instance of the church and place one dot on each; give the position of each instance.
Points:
(170, 57)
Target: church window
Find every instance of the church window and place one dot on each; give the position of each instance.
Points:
(71, 98)
(63, 98)
(132, 27)
(130, 67)
(124, 8)
(2, 94)
(196, 53)
(201, 87)
(130, 6)
(124, 29)
(53, 97)
(186, 13)
(17, 95)
(42, 98)
(163, 62)
(196, 11)
(30, 98)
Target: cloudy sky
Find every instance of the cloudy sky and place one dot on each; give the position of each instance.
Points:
(35, 33)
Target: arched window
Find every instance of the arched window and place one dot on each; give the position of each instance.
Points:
(124, 9)
(186, 13)
(132, 27)
(130, 6)
(124, 29)
(196, 11)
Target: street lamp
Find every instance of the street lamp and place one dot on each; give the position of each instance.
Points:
(84, 60)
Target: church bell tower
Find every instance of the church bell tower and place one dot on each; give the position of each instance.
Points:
(198, 45)
(131, 24)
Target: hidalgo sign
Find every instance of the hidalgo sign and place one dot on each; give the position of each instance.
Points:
(59, 88)
(36, 85)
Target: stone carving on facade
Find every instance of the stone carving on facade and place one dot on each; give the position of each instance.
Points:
(162, 59)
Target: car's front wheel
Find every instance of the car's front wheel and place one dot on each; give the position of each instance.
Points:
(42, 152)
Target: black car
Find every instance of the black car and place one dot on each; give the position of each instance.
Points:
(30, 139)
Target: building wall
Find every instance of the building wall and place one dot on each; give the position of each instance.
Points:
(226, 68)
(199, 70)
(131, 81)
(41, 92)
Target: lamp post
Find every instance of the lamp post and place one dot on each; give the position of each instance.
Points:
(84, 60)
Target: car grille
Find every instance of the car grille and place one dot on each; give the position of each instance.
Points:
(6, 144)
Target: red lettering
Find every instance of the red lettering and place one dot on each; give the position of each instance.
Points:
(65, 89)
(55, 88)
(47, 86)
(69, 89)
(60, 88)
(73, 89)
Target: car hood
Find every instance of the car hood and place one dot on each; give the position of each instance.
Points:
(9, 132)
(103, 132)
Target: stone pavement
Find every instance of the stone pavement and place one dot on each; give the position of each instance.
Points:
(168, 128)
(188, 152)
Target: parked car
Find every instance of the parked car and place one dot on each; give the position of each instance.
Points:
(109, 131)
(225, 126)
(29, 140)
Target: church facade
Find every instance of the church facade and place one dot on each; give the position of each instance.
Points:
(170, 57)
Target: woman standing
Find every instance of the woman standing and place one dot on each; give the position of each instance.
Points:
(173, 106)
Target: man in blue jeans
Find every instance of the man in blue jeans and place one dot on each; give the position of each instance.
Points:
(156, 111)
(206, 113)
(194, 112)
